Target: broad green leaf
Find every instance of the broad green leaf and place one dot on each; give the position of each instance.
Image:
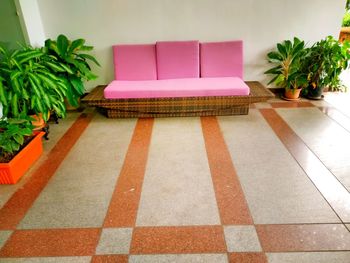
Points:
(86, 48)
(282, 49)
(67, 68)
(89, 57)
(14, 105)
(55, 66)
(3, 99)
(62, 45)
(35, 88)
(77, 85)
(18, 138)
(76, 44)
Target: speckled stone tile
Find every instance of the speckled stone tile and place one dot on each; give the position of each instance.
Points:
(241, 239)
(17, 206)
(4, 235)
(56, 133)
(73, 196)
(177, 188)
(47, 260)
(309, 257)
(314, 237)
(276, 188)
(247, 257)
(114, 241)
(51, 242)
(262, 105)
(191, 258)
(110, 259)
(317, 154)
(178, 240)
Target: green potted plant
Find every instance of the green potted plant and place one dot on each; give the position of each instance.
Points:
(19, 148)
(71, 64)
(28, 86)
(326, 60)
(288, 71)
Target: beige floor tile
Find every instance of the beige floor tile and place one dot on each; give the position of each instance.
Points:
(309, 257)
(78, 195)
(177, 188)
(328, 140)
(193, 258)
(56, 132)
(114, 241)
(242, 239)
(277, 189)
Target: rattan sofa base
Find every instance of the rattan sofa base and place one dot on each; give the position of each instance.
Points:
(178, 107)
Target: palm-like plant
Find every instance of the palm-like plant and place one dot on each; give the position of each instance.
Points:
(68, 62)
(288, 71)
(27, 86)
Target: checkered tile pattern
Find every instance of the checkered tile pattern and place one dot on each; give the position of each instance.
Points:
(261, 188)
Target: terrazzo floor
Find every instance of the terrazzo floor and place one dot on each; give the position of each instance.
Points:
(272, 186)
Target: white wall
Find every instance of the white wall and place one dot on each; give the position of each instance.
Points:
(31, 22)
(260, 24)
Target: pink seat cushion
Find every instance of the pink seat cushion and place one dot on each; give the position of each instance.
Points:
(222, 59)
(230, 86)
(135, 62)
(177, 59)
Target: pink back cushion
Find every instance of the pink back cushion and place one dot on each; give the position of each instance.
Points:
(177, 59)
(135, 62)
(222, 59)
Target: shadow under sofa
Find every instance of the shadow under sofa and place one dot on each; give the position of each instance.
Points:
(178, 78)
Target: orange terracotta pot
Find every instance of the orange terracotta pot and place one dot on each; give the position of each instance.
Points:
(16, 168)
(292, 93)
(38, 120)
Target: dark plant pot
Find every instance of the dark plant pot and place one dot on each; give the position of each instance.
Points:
(315, 94)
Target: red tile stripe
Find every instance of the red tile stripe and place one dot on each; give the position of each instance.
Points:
(126, 197)
(292, 104)
(171, 240)
(247, 257)
(110, 259)
(53, 242)
(17, 206)
(291, 238)
(332, 190)
(230, 198)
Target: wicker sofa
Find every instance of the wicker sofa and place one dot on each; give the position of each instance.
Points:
(177, 78)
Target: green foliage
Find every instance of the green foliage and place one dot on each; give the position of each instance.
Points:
(346, 20)
(288, 68)
(68, 62)
(27, 85)
(297, 66)
(327, 59)
(12, 134)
